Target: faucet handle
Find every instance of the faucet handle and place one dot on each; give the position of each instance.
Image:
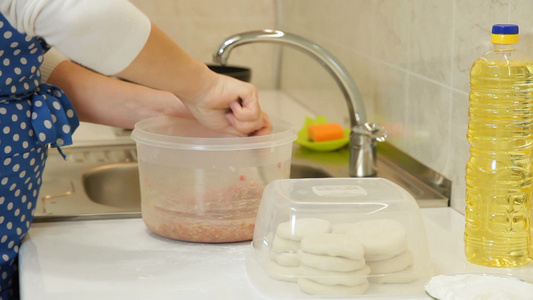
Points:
(363, 152)
(372, 130)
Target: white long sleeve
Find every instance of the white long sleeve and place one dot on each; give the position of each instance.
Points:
(52, 59)
(104, 35)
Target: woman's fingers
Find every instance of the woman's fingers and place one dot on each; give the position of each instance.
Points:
(247, 117)
(267, 126)
(229, 105)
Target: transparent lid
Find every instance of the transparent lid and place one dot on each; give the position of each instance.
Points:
(338, 237)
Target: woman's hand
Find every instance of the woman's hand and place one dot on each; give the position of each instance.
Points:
(229, 105)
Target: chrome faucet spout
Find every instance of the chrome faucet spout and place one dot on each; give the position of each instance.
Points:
(348, 87)
(364, 136)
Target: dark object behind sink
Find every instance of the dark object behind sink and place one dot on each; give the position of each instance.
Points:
(240, 73)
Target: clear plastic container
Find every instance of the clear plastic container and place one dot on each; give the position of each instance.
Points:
(499, 180)
(201, 186)
(338, 237)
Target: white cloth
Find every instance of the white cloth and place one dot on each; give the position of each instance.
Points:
(104, 35)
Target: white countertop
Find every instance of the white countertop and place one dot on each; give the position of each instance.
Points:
(122, 259)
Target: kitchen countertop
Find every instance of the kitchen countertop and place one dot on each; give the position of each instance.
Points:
(122, 259)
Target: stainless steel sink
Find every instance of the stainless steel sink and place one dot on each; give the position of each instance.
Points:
(117, 185)
(100, 182)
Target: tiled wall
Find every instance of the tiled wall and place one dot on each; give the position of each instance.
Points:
(411, 60)
(198, 26)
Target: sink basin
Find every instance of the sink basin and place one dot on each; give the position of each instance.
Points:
(102, 181)
(304, 171)
(117, 185)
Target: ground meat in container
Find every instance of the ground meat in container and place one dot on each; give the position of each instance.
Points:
(216, 216)
(191, 231)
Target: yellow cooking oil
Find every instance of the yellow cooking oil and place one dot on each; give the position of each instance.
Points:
(499, 171)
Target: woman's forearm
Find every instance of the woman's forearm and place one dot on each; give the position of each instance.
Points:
(109, 101)
(162, 64)
(221, 103)
(114, 38)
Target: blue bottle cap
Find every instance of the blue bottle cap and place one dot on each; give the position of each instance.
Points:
(504, 29)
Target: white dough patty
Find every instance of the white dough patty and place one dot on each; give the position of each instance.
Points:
(350, 278)
(333, 244)
(279, 272)
(287, 259)
(302, 227)
(381, 239)
(394, 264)
(285, 245)
(330, 263)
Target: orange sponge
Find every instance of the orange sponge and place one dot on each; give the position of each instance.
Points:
(325, 132)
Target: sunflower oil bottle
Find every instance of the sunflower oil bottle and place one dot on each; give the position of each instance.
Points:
(499, 171)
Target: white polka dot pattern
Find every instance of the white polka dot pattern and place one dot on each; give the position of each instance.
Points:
(32, 116)
(18, 59)
(53, 117)
(19, 187)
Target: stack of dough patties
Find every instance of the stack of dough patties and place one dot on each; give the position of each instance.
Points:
(386, 250)
(332, 264)
(285, 261)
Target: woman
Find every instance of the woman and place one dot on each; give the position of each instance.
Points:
(102, 37)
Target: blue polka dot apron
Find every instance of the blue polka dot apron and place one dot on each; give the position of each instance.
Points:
(32, 117)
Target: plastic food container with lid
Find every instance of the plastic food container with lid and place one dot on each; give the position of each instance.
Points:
(338, 237)
(202, 186)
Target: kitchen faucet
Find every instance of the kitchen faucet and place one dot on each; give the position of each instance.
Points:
(364, 136)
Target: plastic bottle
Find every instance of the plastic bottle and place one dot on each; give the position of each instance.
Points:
(499, 171)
